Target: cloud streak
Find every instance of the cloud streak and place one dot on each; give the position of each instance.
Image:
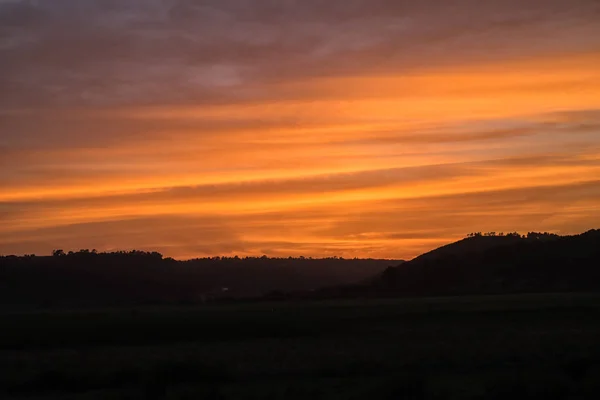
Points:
(357, 128)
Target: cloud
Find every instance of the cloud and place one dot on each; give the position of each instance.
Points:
(362, 188)
(380, 228)
(64, 156)
(380, 127)
(137, 52)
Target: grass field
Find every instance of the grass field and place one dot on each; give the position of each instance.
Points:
(533, 346)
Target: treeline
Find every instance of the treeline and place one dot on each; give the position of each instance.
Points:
(157, 255)
(92, 278)
(529, 235)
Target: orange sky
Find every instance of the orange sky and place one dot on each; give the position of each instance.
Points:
(386, 159)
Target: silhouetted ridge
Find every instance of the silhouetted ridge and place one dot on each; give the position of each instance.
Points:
(137, 277)
(480, 264)
(469, 245)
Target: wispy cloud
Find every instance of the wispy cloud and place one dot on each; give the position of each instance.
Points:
(355, 128)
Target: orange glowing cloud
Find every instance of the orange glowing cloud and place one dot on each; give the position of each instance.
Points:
(342, 148)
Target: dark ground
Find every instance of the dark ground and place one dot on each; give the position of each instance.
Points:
(533, 346)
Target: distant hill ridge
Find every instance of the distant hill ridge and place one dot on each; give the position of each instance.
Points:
(90, 278)
(478, 242)
(481, 264)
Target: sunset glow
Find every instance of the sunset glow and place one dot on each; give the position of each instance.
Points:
(359, 129)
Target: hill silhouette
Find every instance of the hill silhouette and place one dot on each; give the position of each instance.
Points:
(478, 264)
(88, 278)
(494, 264)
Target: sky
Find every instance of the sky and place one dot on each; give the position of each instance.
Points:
(353, 128)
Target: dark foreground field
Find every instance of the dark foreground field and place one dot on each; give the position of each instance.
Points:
(533, 346)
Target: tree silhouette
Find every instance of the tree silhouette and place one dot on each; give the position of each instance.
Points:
(58, 253)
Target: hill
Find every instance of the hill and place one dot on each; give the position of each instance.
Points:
(478, 264)
(87, 278)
